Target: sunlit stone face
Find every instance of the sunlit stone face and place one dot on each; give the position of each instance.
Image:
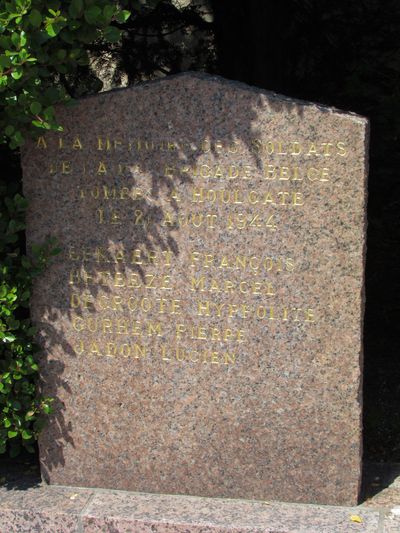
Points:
(201, 328)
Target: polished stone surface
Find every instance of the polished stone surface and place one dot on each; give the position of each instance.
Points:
(201, 328)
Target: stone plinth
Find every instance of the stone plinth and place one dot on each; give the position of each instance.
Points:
(76, 510)
(202, 327)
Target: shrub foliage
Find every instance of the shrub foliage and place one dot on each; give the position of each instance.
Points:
(43, 44)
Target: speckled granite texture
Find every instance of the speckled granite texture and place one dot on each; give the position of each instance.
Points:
(74, 510)
(43, 509)
(201, 328)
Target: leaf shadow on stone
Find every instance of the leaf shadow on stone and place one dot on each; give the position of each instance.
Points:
(194, 111)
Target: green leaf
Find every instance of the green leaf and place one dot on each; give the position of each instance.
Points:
(122, 16)
(17, 73)
(38, 41)
(50, 30)
(15, 39)
(26, 435)
(46, 408)
(108, 12)
(9, 338)
(35, 18)
(75, 8)
(18, 138)
(112, 34)
(92, 14)
(35, 108)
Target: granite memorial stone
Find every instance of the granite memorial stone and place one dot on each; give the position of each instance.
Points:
(202, 327)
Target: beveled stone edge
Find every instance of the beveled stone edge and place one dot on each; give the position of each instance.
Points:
(87, 515)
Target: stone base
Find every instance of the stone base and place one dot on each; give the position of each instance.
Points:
(32, 506)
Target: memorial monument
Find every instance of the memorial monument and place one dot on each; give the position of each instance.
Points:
(202, 326)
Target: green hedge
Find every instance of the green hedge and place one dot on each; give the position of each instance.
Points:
(42, 45)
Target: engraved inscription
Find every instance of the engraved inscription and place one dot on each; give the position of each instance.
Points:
(129, 289)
